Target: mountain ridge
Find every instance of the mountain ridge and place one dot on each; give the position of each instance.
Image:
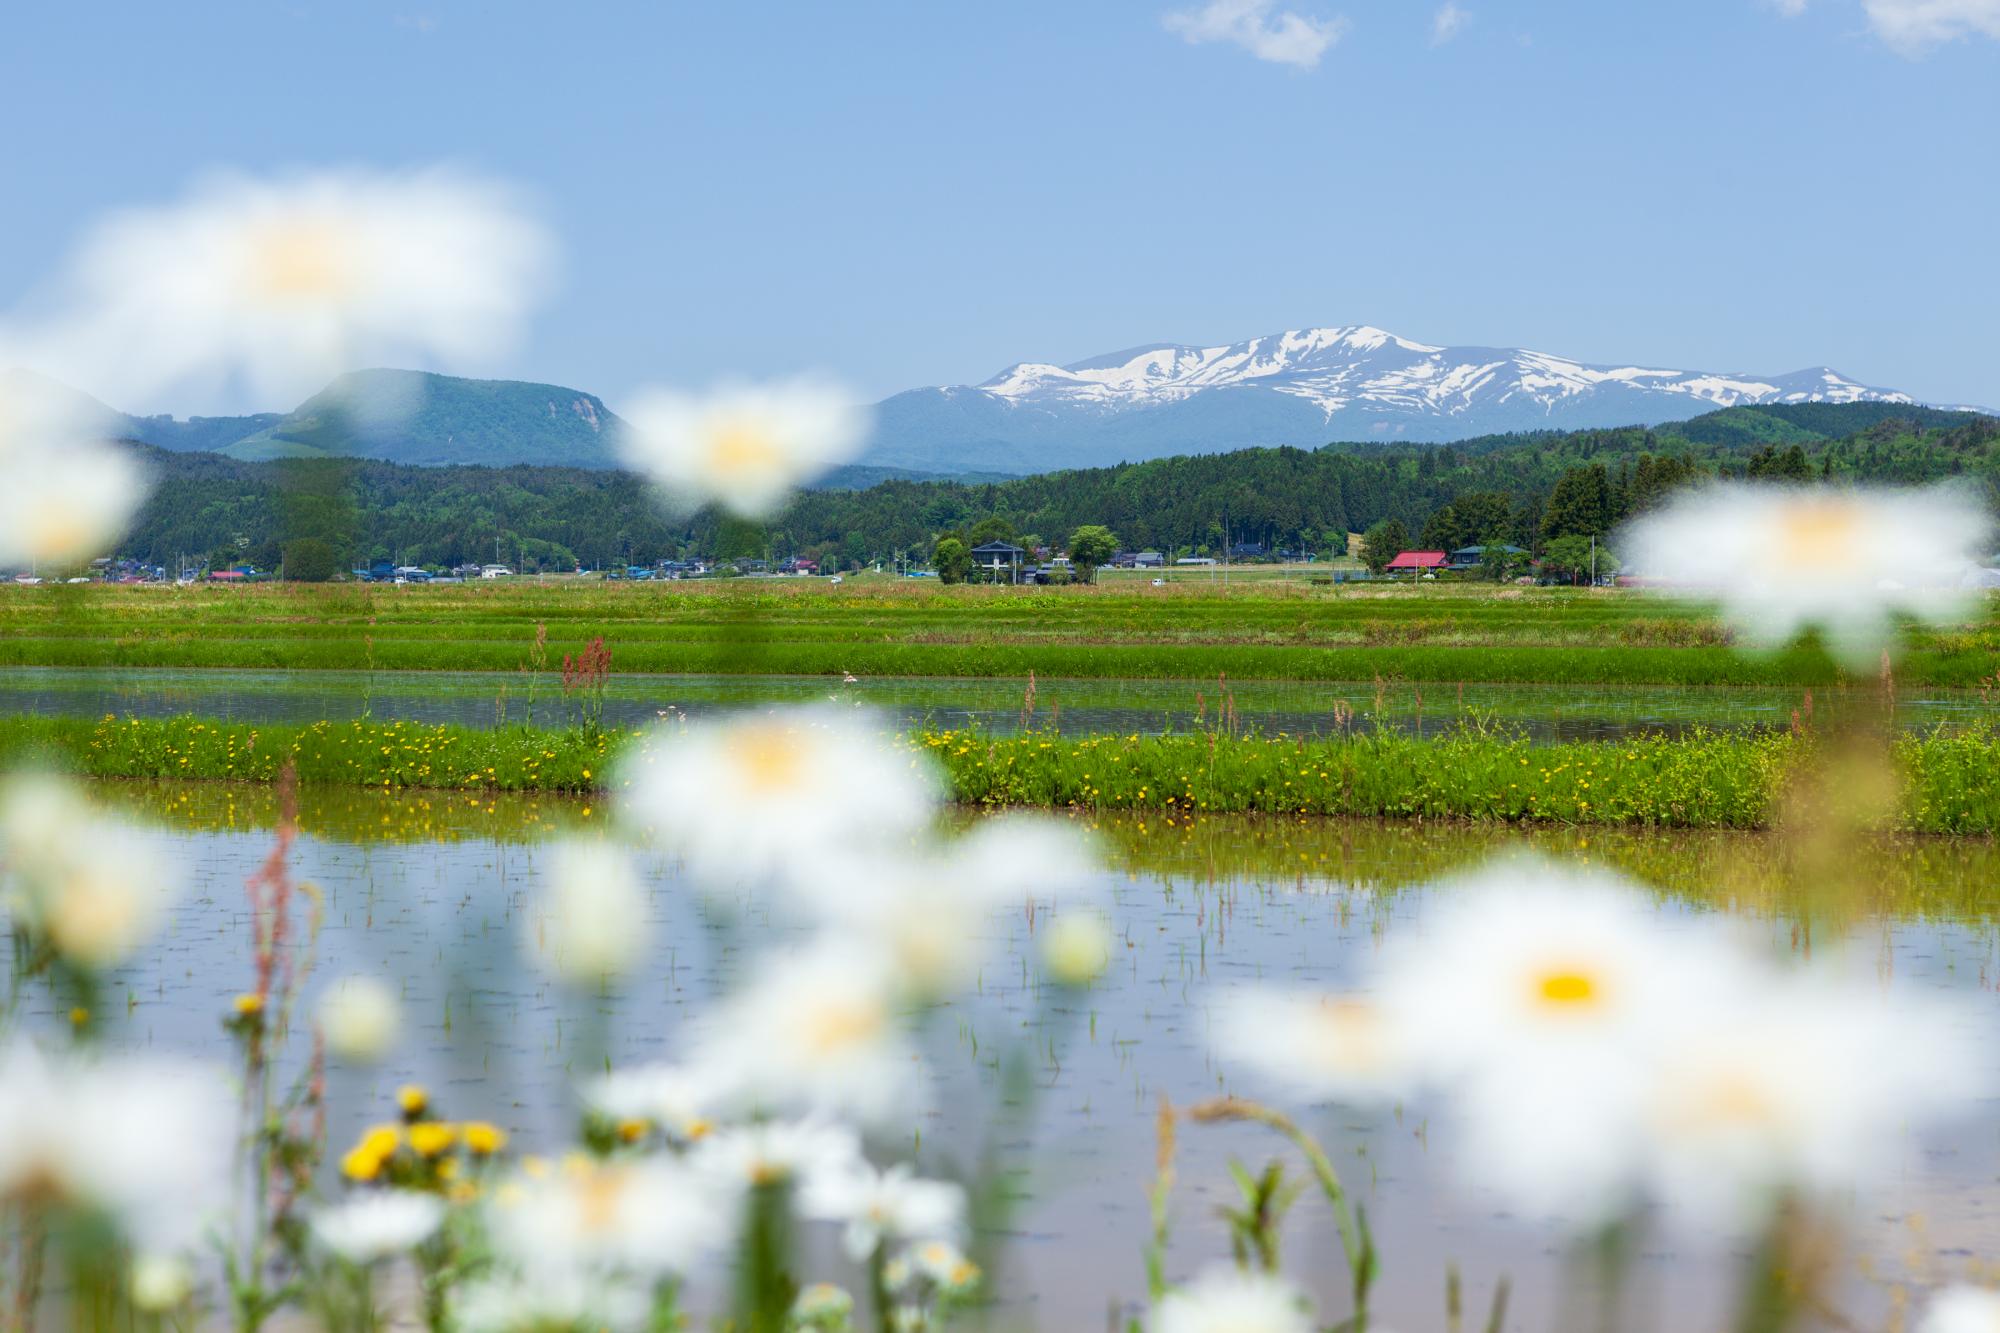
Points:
(1353, 384)
(1302, 387)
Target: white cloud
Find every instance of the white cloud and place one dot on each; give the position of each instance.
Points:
(1284, 38)
(1449, 22)
(1915, 26)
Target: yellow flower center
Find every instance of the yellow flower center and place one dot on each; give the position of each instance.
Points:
(298, 261)
(836, 1026)
(1350, 1034)
(1568, 989)
(769, 758)
(1819, 533)
(56, 531)
(598, 1195)
(1733, 1099)
(742, 449)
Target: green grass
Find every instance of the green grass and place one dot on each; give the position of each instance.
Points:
(1950, 783)
(1266, 630)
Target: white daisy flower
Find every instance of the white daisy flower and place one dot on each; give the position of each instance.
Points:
(91, 886)
(682, 1101)
(1962, 1309)
(593, 924)
(70, 494)
(776, 794)
(817, 1031)
(1804, 1082)
(1076, 948)
(282, 284)
(944, 1265)
(148, 1142)
(1339, 1047)
(374, 1226)
(160, 1282)
(359, 1016)
(1783, 559)
(823, 1305)
(1225, 1300)
(934, 912)
(769, 1152)
(744, 447)
(643, 1218)
(879, 1207)
(1539, 994)
(68, 506)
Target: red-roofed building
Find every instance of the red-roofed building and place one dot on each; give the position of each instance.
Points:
(1432, 560)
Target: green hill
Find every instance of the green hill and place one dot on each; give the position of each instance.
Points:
(411, 417)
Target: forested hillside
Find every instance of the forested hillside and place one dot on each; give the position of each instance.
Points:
(1524, 488)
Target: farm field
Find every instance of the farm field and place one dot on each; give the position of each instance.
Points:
(1198, 631)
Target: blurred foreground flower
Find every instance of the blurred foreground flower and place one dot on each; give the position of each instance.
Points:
(770, 1152)
(371, 1227)
(514, 1303)
(883, 1206)
(70, 495)
(1597, 1053)
(595, 924)
(744, 447)
(1802, 1082)
(817, 1031)
(760, 797)
(1224, 1300)
(679, 1101)
(1076, 948)
(1784, 559)
(146, 1142)
(931, 909)
(285, 283)
(643, 1220)
(1345, 1047)
(1962, 1310)
(359, 1017)
(89, 886)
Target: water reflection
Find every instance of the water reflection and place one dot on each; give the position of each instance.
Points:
(435, 893)
(485, 699)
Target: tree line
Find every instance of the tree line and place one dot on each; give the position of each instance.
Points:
(1521, 490)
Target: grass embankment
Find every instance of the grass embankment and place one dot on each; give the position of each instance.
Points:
(1950, 782)
(1265, 631)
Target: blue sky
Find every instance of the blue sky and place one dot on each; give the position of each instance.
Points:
(926, 191)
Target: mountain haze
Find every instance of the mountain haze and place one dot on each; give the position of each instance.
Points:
(1303, 387)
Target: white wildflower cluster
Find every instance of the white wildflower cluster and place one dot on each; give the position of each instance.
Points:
(822, 810)
(1598, 1056)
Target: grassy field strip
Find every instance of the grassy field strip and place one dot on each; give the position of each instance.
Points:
(1950, 782)
(1550, 665)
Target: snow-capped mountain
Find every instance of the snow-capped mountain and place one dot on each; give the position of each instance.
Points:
(1305, 387)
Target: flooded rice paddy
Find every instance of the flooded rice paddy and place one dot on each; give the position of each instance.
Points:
(435, 893)
(486, 699)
